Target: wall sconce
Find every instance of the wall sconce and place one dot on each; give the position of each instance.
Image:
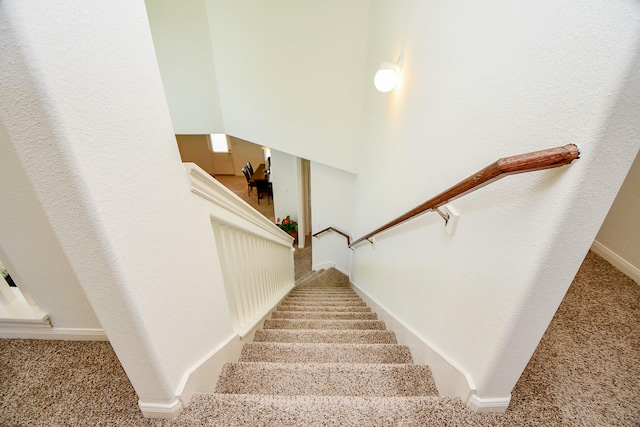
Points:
(388, 76)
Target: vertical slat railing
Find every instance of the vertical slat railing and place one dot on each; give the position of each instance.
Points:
(255, 256)
(257, 273)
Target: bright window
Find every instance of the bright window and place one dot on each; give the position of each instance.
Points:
(219, 143)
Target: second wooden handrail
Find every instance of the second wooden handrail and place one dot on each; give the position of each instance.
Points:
(337, 231)
(529, 162)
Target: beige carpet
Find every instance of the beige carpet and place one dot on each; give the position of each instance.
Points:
(585, 372)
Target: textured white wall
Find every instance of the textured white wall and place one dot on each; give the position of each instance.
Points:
(183, 47)
(84, 110)
(290, 74)
(481, 82)
(620, 232)
(28, 244)
(332, 202)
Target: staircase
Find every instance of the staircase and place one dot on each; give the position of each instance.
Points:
(323, 359)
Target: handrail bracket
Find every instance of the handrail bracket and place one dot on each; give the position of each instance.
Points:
(528, 162)
(444, 216)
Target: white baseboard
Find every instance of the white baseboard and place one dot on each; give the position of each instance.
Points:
(450, 378)
(617, 261)
(42, 332)
(323, 266)
(203, 376)
(328, 265)
(160, 410)
(488, 404)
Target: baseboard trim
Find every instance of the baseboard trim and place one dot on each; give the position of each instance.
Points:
(42, 332)
(617, 261)
(328, 265)
(488, 404)
(323, 266)
(160, 410)
(451, 379)
(203, 376)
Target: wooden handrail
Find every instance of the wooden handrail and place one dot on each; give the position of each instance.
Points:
(337, 231)
(529, 162)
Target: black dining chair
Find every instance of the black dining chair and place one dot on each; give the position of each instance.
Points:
(250, 182)
(264, 188)
(249, 168)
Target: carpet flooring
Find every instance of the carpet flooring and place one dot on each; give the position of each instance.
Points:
(585, 372)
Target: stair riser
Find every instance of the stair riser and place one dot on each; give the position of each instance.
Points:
(325, 336)
(326, 308)
(325, 353)
(323, 315)
(324, 324)
(333, 291)
(326, 379)
(325, 302)
(312, 411)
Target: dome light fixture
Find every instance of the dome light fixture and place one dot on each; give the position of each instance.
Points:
(388, 76)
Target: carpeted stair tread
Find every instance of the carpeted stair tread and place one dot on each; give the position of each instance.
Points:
(323, 324)
(326, 379)
(336, 336)
(327, 302)
(330, 277)
(325, 294)
(324, 353)
(234, 410)
(307, 277)
(308, 299)
(332, 315)
(323, 360)
(342, 309)
(319, 290)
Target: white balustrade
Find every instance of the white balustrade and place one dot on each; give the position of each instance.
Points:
(256, 257)
(17, 308)
(257, 273)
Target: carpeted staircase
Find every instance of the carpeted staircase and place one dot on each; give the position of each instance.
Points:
(324, 359)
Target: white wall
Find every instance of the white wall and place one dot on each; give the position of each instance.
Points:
(619, 238)
(332, 202)
(84, 111)
(284, 177)
(481, 82)
(291, 74)
(29, 248)
(183, 48)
